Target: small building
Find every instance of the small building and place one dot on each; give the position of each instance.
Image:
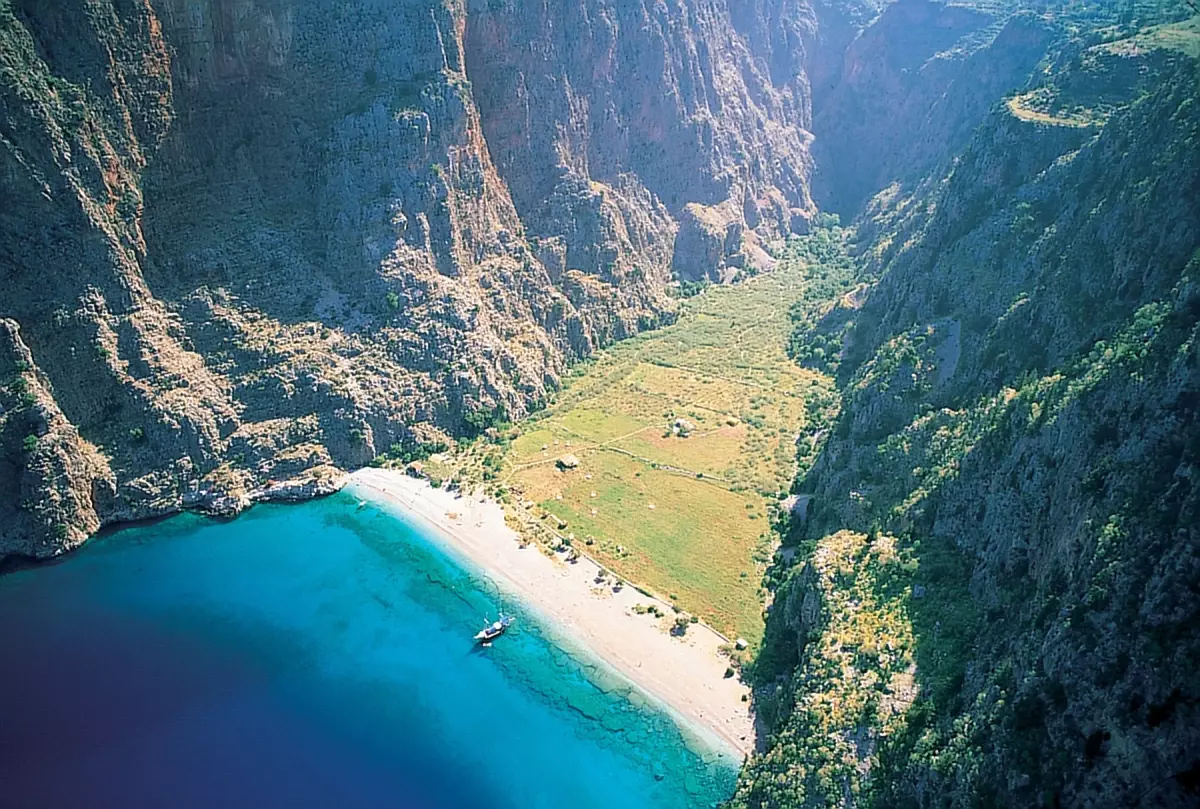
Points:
(567, 462)
(683, 428)
(416, 469)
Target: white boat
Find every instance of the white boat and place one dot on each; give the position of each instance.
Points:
(493, 630)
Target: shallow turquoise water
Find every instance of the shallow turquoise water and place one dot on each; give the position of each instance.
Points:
(312, 655)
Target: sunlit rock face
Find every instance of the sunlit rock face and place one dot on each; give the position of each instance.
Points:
(249, 242)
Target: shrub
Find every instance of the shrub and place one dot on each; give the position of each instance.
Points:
(689, 289)
(393, 301)
(479, 420)
(30, 443)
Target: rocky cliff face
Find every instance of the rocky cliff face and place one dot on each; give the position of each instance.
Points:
(656, 125)
(1011, 486)
(252, 240)
(912, 88)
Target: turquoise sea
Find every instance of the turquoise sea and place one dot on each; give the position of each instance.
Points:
(316, 655)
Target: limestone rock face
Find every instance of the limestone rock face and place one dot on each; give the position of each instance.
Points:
(608, 120)
(249, 239)
(53, 483)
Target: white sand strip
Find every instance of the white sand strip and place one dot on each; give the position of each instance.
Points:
(686, 674)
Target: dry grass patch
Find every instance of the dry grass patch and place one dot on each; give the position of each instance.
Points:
(694, 543)
(722, 367)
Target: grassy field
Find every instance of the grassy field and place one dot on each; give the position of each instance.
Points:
(686, 517)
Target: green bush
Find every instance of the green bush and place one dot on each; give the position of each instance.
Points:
(409, 451)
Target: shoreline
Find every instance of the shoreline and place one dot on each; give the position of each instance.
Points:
(684, 674)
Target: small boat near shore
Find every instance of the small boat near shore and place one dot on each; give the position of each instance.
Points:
(489, 633)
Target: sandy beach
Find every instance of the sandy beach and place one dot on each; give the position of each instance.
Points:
(686, 674)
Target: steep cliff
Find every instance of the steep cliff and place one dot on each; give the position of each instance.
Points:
(904, 87)
(655, 122)
(249, 241)
(993, 601)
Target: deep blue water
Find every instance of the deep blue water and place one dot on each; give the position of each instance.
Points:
(316, 655)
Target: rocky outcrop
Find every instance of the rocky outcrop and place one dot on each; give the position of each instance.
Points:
(713, 244)
(249, 238)
(53, 483)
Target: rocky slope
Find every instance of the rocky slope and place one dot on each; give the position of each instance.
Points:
(993, 601)
(250, 241)
(897, 90)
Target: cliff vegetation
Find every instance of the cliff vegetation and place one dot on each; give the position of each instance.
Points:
(992, 600)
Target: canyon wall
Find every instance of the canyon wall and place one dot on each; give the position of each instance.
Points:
(991, 598)
(911, 89)
(250, 242)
